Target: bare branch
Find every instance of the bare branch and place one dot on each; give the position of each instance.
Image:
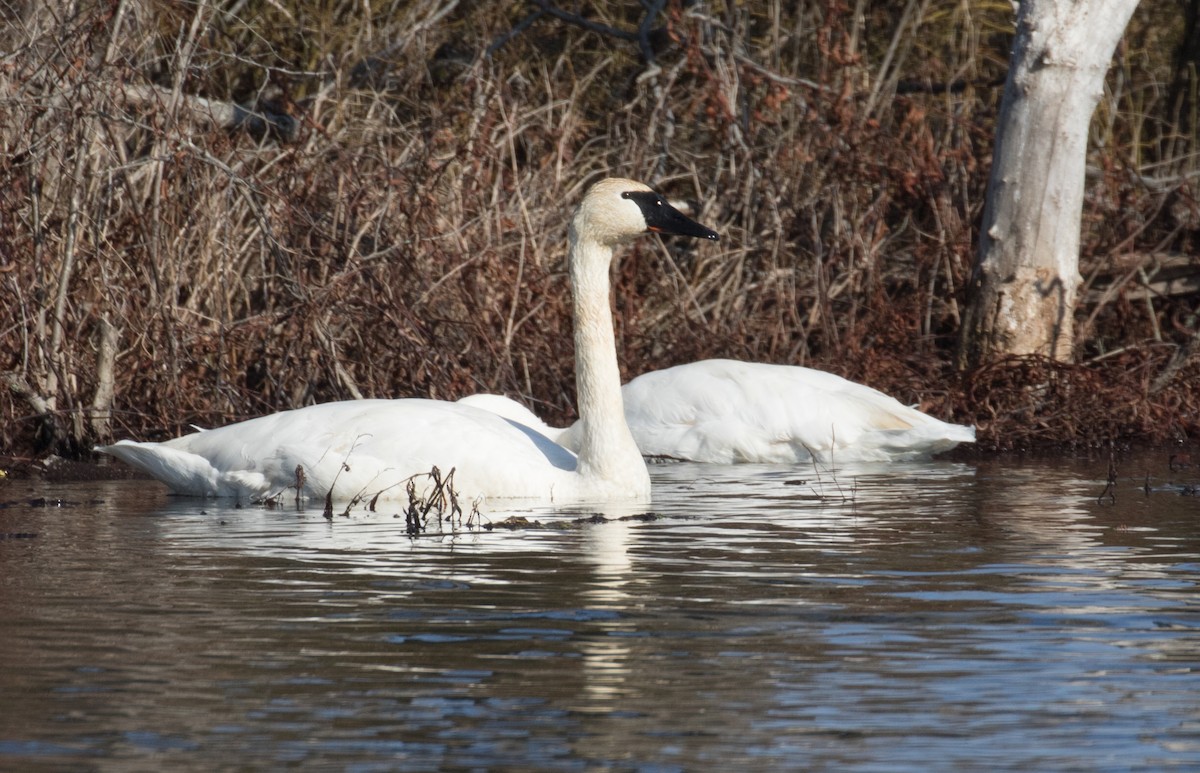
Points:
(545, 8)
(224, 115)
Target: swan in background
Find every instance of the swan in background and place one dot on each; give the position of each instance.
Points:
(730, 412)
(358, 449)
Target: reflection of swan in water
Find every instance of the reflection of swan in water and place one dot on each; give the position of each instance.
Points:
(731, 412)
(605, 651)
(369, 448)
(375, 548)
(606, 549)
(1050, 533)
(1034, 509)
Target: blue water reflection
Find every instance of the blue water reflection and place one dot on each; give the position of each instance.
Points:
(917, 617)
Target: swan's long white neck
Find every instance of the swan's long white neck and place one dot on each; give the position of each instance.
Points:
(607, 450)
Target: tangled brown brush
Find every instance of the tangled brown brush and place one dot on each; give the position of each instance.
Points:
(206, 216)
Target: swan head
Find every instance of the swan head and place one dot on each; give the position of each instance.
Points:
(616, 210)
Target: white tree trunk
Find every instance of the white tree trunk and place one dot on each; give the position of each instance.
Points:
(1027, 272)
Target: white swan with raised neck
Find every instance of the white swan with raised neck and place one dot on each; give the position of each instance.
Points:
(362, 448)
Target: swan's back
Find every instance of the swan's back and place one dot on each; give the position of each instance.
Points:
(513, 411)
(359, 448)
(726, 411)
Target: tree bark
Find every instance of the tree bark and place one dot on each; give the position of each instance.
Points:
(108, 339)
(1026, 277)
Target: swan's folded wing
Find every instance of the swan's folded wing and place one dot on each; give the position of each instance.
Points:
(727, 411)
(185, 472)
(356, 449)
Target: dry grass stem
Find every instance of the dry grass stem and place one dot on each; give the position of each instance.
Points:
(213, 211)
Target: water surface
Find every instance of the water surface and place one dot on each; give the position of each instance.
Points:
(939, 616)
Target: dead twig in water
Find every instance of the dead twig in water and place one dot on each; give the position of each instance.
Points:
(442, 497)
(300, 479)
(1110, 489)
(832, 475)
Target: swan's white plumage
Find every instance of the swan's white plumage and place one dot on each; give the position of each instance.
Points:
(364, 448)
(359, 448)
(726, 411)
(730, 412)
(513, 411)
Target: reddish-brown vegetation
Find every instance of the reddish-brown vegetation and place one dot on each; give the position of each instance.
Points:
(395, 223)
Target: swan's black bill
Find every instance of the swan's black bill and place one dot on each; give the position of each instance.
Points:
(662, 218)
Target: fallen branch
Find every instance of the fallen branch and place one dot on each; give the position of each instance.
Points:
(545, 8)
(224, 115)
(50, 433)
(1183, 355)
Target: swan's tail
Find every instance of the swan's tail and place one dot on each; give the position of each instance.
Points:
(924, 439)
(183, 472)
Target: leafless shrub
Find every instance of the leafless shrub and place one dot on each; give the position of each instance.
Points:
(329, 201)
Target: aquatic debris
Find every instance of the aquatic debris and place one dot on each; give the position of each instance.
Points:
(516, 522)
(1175, 463)
(271, 501)
(440, 498)
(841, 496)
(44, 502)
(1110, 489)
(328, 511)
(512, 523)
(300, 480)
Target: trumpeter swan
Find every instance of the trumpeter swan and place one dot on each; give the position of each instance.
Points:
(729, 412)
(726, 411)
(360, 448)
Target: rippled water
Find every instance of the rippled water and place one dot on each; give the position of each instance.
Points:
(917, 617)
